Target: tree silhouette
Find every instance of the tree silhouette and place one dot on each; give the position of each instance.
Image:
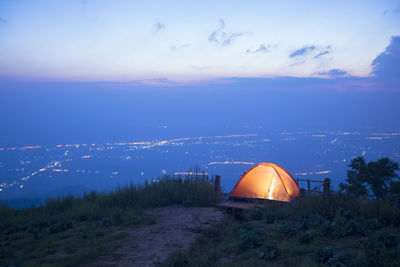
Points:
(375, 178)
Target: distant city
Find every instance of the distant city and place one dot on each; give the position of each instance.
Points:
(38, 170)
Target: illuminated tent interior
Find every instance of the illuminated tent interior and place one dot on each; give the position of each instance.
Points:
(266, 181)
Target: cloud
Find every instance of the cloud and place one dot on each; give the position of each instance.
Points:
(3, 20)
(221, 37)
(317, 51)
(386, 66)
(302, 51)
(159, 26)
(334, 73)
(261, 49)
(320, 54)
(178, 47)
(297, 63)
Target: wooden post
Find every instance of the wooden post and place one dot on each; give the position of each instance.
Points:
(327, 187)
(217, 184)
(309, 187)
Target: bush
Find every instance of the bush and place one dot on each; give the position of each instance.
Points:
(346, 213)
(248, 237)
(346, 224)
(382, 249)
(335, 257)
(305, 237)
(343, 258)
(353, 228)
(381, 240)
(269, 217)
(373, 224)
(256, 214)
(287, 230)
(328, 229)
(62, 225)
(305, 220)
(322, 255)
(269, 252)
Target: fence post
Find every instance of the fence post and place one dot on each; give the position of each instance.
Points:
(327, 187)
(217, 184)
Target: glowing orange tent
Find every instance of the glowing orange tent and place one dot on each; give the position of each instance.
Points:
(268, 181)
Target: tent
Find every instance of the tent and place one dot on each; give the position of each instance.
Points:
(266, 181)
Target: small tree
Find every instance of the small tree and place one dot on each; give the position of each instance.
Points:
(375, 178)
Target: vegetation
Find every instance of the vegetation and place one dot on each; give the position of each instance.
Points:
(375, 178)
(341, 230)
(68, 231)
(349, 228)
(353, 227)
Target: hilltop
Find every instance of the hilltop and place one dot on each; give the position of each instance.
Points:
(174, 222)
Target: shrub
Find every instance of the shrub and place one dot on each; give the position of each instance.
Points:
(248, 237)
(269, 217)
(256, 214)
(382, 249)
(275, 215)
(381, 240)
(322, 255)
(328, 229)
(346, 213)
(343, 258)
(373, 224)
(269, 252)
(305, 237)
(335, 257)
(346, 224)
(306, 219)
(62, 225)
(353, 228)
(287, 230)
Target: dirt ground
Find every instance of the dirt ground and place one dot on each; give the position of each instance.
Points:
(176, 229)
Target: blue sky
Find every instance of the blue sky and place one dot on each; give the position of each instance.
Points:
(186, 42)
(85, 70)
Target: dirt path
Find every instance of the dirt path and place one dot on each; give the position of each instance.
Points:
(176, 228)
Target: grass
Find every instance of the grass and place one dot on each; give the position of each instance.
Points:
(68, 231)
(338, 230)
(362, 232)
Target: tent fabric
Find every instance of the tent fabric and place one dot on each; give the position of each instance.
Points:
(266, 181)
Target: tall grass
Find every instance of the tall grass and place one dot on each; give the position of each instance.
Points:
(189, 191)
(387, 211)
(36, 233)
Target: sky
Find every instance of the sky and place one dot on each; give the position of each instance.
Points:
(151, 42)
(74, 71)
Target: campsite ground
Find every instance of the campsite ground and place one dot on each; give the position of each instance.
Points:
(175, 223)
(175, 229)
